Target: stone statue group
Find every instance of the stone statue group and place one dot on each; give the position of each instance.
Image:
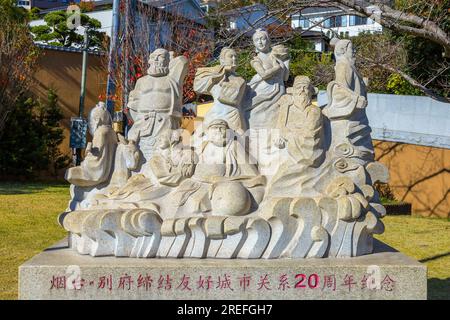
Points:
(267, 174)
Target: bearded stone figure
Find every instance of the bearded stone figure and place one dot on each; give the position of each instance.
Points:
(155, 103)
(301, 137)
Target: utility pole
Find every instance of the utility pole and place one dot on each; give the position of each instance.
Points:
(128, 52)
(80, 136)
(110, 87)
(127, 55)
(84, 72)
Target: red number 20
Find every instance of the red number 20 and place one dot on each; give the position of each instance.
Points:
(313, 280)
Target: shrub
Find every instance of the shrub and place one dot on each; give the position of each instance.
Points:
(31, 139)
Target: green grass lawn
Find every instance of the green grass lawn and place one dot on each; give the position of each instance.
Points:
(28, 225)
(426, 240)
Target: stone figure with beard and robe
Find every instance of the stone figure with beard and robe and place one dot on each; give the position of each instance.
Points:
(300, 124)
(155, 102)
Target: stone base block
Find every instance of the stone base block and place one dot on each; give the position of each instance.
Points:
(61, 273)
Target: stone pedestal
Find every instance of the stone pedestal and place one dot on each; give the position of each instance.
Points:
(61, 273)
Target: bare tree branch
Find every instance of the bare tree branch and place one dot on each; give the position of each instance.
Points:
(396, 19)
(416, 84)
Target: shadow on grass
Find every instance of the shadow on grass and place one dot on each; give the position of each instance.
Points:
(439, 289)
(435, 257)
(11, 188)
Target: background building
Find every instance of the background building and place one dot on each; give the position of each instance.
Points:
(45, 4)
(333, 20)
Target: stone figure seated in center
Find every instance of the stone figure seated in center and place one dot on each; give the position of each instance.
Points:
(226, 181)
(226, 87)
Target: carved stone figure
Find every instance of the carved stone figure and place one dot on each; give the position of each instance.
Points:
(350, 145)
(264, 90)
(171, 164)
(337, 210)
(224, 182)
(96, 168)
(99, 157)
(347, 102)
(217, 200)
(300, 125)
(267, 86)
(107, 164)
(155, 103)
(227, 89)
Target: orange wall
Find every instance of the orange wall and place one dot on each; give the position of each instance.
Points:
(419, 175)
(61, 71)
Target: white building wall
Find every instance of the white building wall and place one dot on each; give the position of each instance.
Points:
(346, 29)
(408, 119)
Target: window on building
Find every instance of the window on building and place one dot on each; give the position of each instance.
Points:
(335, 22)
(303, 23)
(357, 20)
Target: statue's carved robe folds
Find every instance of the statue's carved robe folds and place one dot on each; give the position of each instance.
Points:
(302, 129)
(98, 162)
(261, 108)
(347, 100)
(228, 165)
(227, 91)
(266, 87)
(164, 171)
(97, 166)
(155, 105)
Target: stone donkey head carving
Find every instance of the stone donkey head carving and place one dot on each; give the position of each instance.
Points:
(126, 160)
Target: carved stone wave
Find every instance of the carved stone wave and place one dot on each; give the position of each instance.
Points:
(339, 225)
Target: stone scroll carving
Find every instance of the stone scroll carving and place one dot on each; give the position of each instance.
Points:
(156, 195)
